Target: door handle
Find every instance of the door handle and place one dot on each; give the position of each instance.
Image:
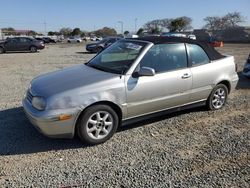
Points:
(186, 75)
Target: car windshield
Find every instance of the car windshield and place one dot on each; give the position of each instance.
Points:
(118, 57)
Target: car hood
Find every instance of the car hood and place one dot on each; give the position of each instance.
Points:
(67, 79)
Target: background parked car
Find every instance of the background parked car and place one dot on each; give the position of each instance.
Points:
(193, 37)
(101, 45)
(74, 40)
(46, 40)
(21, 44)
(246, 70)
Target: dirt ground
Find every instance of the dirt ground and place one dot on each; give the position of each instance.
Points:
(195, 148)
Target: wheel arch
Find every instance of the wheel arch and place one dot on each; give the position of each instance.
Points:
(114, 106)
(226, 83)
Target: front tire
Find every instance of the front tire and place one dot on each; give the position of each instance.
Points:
(33, 49)
(1, 50)
(98, 124)
(218, 97)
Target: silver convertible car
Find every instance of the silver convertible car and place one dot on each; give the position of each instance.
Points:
(130, 80)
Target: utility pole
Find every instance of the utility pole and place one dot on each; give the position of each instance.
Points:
(136, 25)
(121, 22)
(45, 27)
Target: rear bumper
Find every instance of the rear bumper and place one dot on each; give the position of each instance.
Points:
(48, 123)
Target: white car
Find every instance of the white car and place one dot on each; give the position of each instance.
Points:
(193, 37)
(74, 39)
(95, 38)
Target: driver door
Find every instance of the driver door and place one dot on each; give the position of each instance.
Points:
(169, 87)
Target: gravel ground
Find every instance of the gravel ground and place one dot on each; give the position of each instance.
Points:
(195, 148)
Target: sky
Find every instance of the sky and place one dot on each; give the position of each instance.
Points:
(91, 15)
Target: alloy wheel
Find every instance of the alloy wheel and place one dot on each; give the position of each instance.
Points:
(99, 125)
(219, 98)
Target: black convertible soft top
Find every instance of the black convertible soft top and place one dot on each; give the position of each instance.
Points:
(211, 52)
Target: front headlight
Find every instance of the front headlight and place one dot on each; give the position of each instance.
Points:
(39, 103)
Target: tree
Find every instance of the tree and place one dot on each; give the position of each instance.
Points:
(126, 32)
(140, 31)
(83, 34)
(155, 26)
(230, 20)
(234, 19)
(106, 31)
(212, 22)
(180, 24)
(76, 32)
(65, 31)
(9, 31)
(156, 30)
(32, 33)
(51, 33)
(160, 23)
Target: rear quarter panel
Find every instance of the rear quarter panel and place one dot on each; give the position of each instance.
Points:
(206, 77)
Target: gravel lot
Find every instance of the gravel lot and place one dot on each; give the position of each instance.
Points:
(196, 148)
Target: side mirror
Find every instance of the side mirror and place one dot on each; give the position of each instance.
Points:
(144, 71)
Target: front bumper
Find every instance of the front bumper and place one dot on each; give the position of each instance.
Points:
(41, 47)
(246, 70)
(47, 122)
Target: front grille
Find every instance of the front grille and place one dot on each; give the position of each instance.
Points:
(29, 96)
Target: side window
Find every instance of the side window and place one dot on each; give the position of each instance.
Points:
(197, 54)
(165, 57)
(23, 40)
(13, 40)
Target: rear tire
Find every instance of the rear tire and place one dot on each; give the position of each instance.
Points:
(33, 49)
(218, 97)
(98, 124)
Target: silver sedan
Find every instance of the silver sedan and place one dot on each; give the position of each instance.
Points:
(129, 80)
